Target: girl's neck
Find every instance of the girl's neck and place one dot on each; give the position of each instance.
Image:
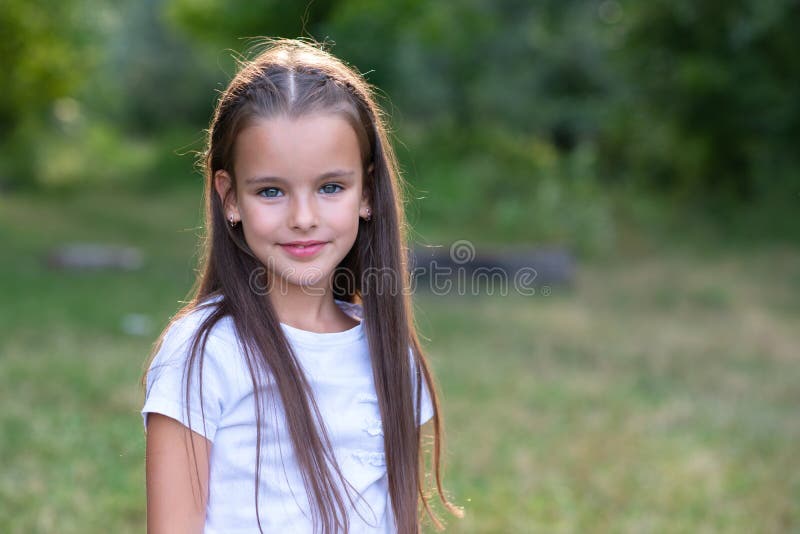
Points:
(311, 309)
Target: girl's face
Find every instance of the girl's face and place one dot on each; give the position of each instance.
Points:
(298, 180)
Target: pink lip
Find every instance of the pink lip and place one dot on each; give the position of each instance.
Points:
(303, 249)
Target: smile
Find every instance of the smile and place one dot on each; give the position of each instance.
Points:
(303, 250)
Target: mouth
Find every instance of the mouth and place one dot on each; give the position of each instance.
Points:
(303, 249)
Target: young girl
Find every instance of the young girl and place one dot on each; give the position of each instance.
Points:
(287, 395)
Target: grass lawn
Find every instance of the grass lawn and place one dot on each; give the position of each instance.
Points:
(658, 394)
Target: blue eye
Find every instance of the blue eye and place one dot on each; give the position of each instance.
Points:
(326, 188)
(269, 192)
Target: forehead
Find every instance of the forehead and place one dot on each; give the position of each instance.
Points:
(296, 148)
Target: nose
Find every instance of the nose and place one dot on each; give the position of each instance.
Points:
(303, 213)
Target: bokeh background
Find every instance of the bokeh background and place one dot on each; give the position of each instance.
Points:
(655, 144)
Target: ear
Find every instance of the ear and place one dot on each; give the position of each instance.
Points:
(364, 209)
(369, 177)
(223, 184)
(364, 206)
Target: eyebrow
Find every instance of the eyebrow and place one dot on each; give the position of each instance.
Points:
(338, 173)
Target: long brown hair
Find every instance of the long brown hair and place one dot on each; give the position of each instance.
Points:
(292, 78)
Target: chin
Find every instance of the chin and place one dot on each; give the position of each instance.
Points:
(311, 279)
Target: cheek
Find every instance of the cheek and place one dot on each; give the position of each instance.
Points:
(344, 215)
(350, 221)
(260, 225)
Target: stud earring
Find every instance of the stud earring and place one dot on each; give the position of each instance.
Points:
(369, 215)
(232, 222)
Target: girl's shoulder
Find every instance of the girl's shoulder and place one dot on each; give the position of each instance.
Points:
(193, 315)
(187, 323)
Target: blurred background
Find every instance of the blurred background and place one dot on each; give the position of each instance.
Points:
(648, 384)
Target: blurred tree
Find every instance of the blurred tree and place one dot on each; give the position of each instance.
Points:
(532, 67)
(222, 23)
(713, 102)
(45, 53)
(508, 99)
(151, 75)
(46, 57)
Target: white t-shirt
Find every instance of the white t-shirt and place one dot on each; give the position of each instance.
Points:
(338, 369)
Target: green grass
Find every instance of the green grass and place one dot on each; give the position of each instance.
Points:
(657, 394)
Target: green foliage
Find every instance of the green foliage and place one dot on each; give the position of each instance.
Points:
(45, 54)
(527, 66)
(152, 78)
(493, 186)
(570, 102)
(225, 22)
(712, 110)
(89, 153)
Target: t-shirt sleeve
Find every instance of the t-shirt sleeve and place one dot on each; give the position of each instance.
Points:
(426, 410)
(166, 382)
(426, 406)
